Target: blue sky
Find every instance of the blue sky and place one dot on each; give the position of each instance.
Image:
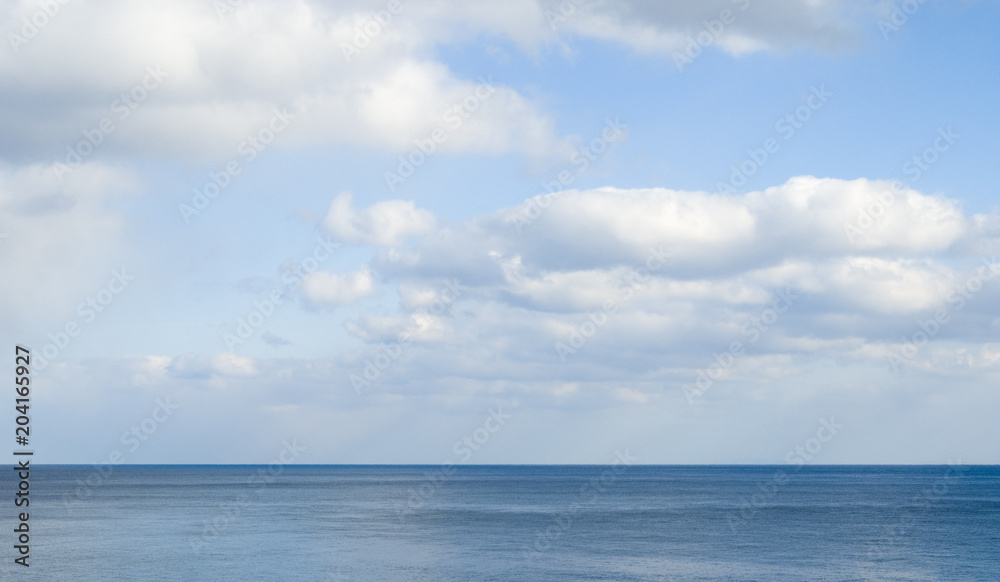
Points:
(562, 319)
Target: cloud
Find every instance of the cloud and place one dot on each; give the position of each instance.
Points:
(218, 78)
(228, 364)
(767, 399)
(205, 367)
(329, 290)
(653, 282)
(664, 27)
(384, 223)
(707, 235)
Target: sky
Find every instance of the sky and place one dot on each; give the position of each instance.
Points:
(713, 231)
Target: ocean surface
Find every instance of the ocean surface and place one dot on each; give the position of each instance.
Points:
(500, 523)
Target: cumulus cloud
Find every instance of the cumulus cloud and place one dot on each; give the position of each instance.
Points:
(707, 235)
(219, 78)
(655, 281)
(384, 223)
(323, 289)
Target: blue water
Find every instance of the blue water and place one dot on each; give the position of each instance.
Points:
(532, 523)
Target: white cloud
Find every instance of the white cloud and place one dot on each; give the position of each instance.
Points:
(707, 235)
(229, 364)
(631, 395)
(666, 278)
(889, 286)
(225, 75)
(322, 289)
(205, 367)
(384, 223)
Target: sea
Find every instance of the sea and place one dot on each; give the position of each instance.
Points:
(505, 523)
